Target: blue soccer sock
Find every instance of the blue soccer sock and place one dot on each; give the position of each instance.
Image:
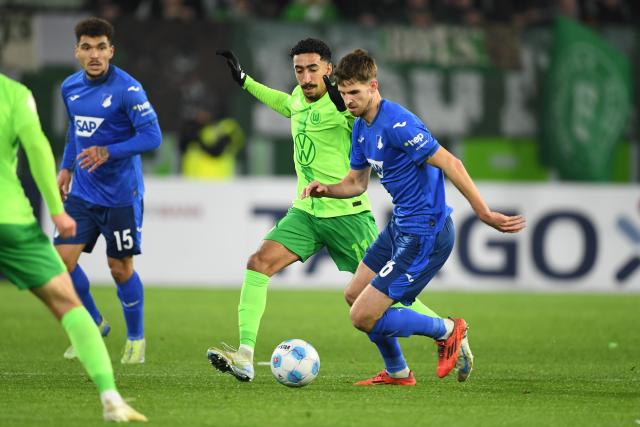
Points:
(132, 298)
(389, 348)
(81, 285)
(402, 322)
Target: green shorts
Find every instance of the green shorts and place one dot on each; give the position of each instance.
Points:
(27, 257)
(346, 237)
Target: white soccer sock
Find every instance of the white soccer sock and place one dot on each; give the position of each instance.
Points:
(404, 373)
(448, 324)
(246, 351)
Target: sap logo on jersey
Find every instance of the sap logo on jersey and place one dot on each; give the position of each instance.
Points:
(86, 126)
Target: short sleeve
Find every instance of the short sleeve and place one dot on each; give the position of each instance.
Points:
(412, 136)
(139, 109)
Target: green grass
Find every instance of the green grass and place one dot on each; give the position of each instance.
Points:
(540, 360)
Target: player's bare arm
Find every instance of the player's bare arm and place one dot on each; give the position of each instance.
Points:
(93, 157)
(354, 184)
(456, 172)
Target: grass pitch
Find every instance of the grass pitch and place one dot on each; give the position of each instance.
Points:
(540, 360)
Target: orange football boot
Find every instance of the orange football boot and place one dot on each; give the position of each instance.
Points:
(448, 349)
(383, 378)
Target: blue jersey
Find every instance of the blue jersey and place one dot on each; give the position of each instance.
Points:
(396, 145)
(106, 112)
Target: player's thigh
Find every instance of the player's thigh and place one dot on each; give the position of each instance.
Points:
(380, 251)
(87, 229)
(296, 232)
(416, 259)
(27, 257)
(122, 229)
(363, 276)
(347, 238)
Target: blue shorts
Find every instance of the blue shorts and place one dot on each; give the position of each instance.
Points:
(121, 227)
(407, 262)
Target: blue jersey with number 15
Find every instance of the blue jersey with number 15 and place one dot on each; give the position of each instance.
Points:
(102, 112)
(396, 145)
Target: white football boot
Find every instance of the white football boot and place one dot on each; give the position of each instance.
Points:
(464, 364)
(228, 359)
(115, 409)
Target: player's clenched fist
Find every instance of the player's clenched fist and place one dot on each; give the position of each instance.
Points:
(315, 189)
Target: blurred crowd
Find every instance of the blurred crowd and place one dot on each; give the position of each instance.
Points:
(420, 13)
(379, 12)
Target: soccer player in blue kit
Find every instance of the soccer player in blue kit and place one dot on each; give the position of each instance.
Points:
(111, 122)
(419, 237)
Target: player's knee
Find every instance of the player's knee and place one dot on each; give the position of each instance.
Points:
(260, 263)
(120, 271)
(350, 296)
(361, 320)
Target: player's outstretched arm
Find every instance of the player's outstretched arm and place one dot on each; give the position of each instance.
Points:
(274, 99)
(354, 184)
(457, 174)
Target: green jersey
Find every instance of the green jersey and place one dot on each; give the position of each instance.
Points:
(322, 144)
(19, 120)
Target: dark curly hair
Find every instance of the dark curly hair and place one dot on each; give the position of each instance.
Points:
(310, 45)
(94, 27)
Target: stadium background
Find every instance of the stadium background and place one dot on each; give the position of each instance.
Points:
(547, 129)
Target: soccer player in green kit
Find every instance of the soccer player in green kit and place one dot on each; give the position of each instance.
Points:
(27, 257)
(321, 132)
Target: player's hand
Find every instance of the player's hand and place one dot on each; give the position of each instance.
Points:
(93, 157)
(505, 223)
(315, 189)
(334, 94)
(237, 72)
(64, 182)
(65, 225)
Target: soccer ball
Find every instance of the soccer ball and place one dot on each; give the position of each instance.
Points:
(295, 363)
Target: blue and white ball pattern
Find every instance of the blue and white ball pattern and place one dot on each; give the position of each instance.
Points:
(295, 363)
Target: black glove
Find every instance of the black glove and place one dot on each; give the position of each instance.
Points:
(237, 72)
(334, 94)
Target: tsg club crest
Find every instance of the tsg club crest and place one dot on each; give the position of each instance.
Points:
(305, 149)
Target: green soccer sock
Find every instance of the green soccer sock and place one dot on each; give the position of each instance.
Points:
(92, 353)
(253, 300)
(419, 307)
